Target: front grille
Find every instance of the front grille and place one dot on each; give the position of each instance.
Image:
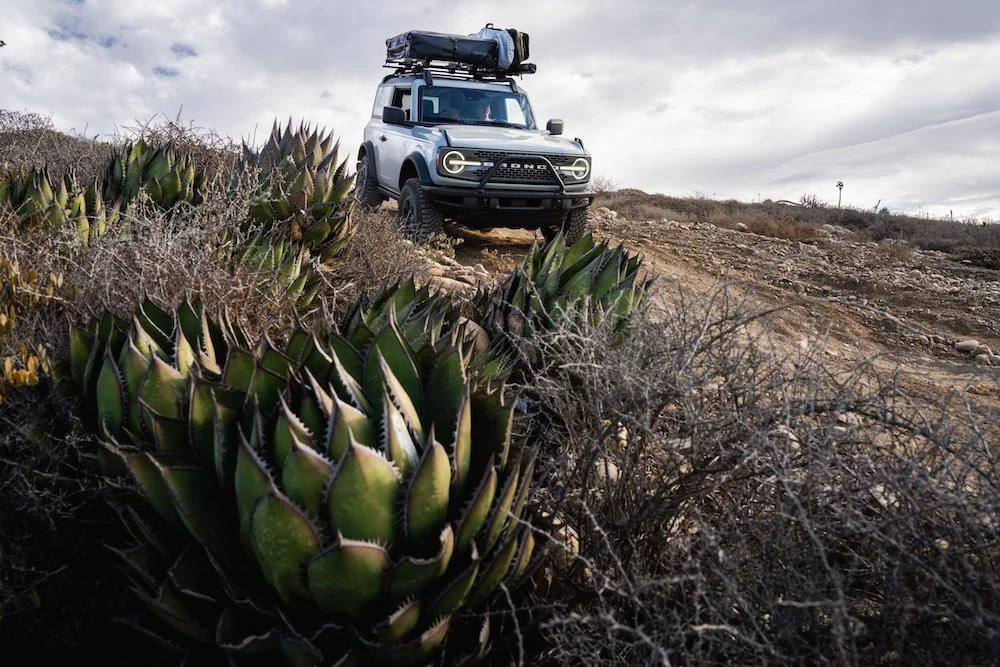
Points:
(529, 173)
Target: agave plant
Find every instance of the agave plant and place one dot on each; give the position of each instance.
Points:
(168, 177)
(38, 199)
(280, 262)
(586, 279)
(303, 188)
(352, 500)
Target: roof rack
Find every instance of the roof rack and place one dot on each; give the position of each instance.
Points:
(453, 70)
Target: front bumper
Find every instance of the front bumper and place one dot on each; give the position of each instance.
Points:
(485, 205)
(529, 201)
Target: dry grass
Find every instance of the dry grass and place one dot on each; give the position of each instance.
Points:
(758, 507)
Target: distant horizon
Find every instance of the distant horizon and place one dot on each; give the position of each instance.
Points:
(898, 100)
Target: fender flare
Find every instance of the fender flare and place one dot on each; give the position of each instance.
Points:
(416, 158)
(368, 150)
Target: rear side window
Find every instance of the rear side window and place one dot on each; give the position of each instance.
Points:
(382, 99)
(401, 99)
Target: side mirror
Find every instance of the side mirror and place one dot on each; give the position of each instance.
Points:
(555, 126)
(394, 115)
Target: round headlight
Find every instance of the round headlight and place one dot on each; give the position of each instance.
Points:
(581, 169)
(453, 162)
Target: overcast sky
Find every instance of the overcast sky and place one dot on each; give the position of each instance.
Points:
(899, 99)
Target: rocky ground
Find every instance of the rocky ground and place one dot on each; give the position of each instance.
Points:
(924, 314)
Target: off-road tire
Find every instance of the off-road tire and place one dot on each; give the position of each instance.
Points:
(366, 192)
(574, 227)
(418, 217)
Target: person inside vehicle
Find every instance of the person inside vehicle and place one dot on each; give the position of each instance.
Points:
(480, 109)
(448, 108)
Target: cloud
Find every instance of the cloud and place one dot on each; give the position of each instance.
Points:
(165, 72)
(899, 99)
(183, 50)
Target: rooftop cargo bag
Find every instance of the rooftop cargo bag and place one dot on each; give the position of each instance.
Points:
(423, 45)
(512, 45)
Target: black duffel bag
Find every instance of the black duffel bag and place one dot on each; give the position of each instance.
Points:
(423, 45)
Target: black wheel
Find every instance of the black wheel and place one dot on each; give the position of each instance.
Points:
(418, 217)
(577, 225)
(366, 193)
(574, 227)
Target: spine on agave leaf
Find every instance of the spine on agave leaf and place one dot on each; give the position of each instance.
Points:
(350, 500)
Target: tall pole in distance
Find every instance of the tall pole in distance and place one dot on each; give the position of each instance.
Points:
(840, 191)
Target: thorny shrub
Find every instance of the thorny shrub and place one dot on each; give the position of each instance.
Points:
(726, 504)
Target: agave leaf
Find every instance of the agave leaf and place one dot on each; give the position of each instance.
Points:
(391, 350)
(498, 517)
(252, 481)
(454, 594)
(399, 624)
(347, 387)
(161, 390)
(443, 403)
(231, 637)
(111, 407)
(297, 344)
(346, 577)
(184, 356)
(577, 251)
(427, 496)
(317, 361)
(240, 368)
(412, 575)
(523, 558)
(478, 509)
(391, 387)
(315, 405)
(266, 389)
(287, 429)
(146, 472)
(527, 471)
(144, 563)
(192, 576)
(201, 419)
(190, 320)
(396, 439)
(417, 651)
(80, 344)
(193, 492)
(284, 540)
(363, 496)
(162, 320)
(494, 572)
(169, 434)
(491, 430)
(227, 406)
(345, 423)
(178, 612)
(305, 475)
(461, 453)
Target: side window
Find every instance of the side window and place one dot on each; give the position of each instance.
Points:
(401, 99)
(515, 114)
(382, 98)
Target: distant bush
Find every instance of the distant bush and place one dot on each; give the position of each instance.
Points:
(784, 219)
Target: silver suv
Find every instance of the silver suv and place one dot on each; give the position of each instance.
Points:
(454, 145)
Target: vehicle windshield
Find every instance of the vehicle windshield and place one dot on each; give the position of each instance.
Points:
(468, 106)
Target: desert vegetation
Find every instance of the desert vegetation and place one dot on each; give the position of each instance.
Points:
(238, 425)
(975, 240)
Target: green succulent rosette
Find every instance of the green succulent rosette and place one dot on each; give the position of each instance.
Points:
(350, 500)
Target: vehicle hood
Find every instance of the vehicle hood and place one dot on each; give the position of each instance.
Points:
(510, 139)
